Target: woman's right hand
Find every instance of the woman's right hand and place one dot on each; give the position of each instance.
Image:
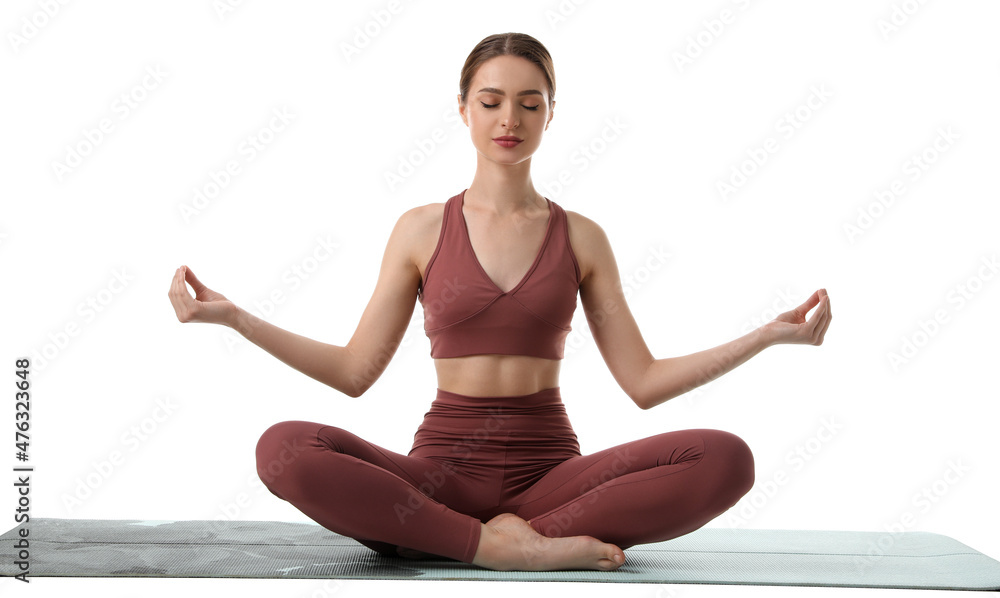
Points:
(206, 306)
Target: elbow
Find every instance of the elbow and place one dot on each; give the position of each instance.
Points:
(356, 387)
(360, 376)
(354, 392)
(639, 399)
(637, 391)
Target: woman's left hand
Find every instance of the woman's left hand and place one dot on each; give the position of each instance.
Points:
(792, 327)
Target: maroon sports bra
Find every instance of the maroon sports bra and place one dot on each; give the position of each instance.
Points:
(465, 313)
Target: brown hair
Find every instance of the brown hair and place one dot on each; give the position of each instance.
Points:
(508, 44)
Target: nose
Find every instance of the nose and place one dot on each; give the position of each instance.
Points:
(509, 120)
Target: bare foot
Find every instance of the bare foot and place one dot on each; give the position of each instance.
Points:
(509, 543)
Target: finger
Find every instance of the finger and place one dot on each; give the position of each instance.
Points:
(180, 297)
(809, 304)
(817, 317)
(175, 285)
(196, 284)
(820, 319)
(824, 321)
(824, 294)
(178, 287)
(829, 318)
(175, 292)
(822, 334)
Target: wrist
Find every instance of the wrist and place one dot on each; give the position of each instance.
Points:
(238, 318)
(768, 335)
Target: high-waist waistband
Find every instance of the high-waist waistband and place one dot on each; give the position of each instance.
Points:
(525, 429)
(544, 400)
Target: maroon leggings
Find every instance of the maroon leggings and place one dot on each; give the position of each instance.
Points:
(476, 457)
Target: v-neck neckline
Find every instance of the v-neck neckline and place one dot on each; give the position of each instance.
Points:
(534, 264)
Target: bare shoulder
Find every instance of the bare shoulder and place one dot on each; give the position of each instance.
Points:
(589, 242)
(414, 221)
(426, 214)
(419, 228)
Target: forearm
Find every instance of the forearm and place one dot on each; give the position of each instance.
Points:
(330, 364)
(670, 377)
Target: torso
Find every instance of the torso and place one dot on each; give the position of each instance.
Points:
(505, 250)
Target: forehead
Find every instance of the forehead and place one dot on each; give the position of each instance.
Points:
(509, 73)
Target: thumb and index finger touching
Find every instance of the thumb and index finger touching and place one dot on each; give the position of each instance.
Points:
(821, 318)
(191, 279)
(811, 302)
(179, 295)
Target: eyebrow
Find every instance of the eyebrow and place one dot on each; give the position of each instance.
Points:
(499, 92)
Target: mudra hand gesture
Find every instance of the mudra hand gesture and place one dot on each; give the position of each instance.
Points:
(206, 306)
(792, 327)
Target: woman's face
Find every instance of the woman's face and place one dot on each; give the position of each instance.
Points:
(496, 109)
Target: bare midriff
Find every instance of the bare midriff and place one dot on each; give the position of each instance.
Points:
(496, 375)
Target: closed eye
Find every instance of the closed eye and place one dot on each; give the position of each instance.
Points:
(485, 105)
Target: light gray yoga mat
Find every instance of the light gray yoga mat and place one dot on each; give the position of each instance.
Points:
(271, 549)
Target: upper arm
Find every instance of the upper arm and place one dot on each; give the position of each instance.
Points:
(611, 322)
(390, 308)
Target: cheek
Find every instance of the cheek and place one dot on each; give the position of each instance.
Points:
(478, 119)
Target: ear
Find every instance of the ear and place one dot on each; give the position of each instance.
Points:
(552, 113)
(461, 110)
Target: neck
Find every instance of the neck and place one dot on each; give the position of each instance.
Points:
(503, 189)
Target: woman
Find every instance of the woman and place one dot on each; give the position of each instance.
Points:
(495, 476)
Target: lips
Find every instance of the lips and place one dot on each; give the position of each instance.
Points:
(507, 141)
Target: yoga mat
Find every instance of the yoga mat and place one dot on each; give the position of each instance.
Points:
(272, 549)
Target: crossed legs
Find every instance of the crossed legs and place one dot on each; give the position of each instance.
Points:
(647, 490)
(361, 490)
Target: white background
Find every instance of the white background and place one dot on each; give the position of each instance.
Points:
(735, 259)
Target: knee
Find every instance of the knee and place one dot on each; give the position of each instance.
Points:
(280, 448)
(735, 460)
